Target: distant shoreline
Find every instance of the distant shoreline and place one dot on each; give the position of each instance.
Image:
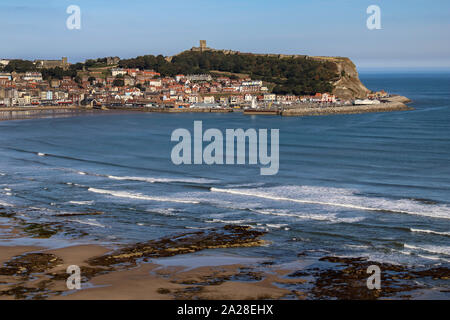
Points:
(394, 103)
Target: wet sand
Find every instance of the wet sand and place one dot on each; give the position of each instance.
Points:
(145, 281)
(31, 272)
(176, 267)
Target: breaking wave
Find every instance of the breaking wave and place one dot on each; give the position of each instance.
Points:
(5, 204)
(342, 198)
(162, 180)
(445, 250)
(138, 196)
(430, 232)
(90, 222)
(82, 202)
(149, 179)
(240, 222)
(333, 218)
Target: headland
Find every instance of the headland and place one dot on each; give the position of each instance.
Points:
(201, 79)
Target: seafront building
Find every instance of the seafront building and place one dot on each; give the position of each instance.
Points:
(141, 88)
(114, 86)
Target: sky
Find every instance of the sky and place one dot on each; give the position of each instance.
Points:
(414, 34)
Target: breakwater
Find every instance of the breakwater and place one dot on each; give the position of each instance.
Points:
(41, 112)
(396, 103)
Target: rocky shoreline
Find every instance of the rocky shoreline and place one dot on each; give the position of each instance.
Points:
(135, 271)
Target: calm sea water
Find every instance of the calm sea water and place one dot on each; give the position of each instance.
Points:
(373, 185)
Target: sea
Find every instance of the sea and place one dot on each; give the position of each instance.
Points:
(373, 185)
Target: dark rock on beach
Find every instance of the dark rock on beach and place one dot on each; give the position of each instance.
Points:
(229, 236)
(30, 263)
(346, 279)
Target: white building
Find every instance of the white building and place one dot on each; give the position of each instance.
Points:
(32, 76)
(199, 77)
(209, 99)
(193, 99)
(155, 83)
(270, 97)
(118, 72)
(257, 83)
(366, 102)
(248, 97)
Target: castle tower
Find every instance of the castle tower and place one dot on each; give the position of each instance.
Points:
(202, 45)
(64, 63)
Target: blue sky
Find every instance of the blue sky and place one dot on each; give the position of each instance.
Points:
(414, 33)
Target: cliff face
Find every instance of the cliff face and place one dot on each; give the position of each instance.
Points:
(348, 86)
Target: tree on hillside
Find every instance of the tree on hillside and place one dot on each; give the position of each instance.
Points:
(290, 75)
(20, 66)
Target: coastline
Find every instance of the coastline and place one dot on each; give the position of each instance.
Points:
(39, 272)
(187, 276)
(177, 267)
(394, 103)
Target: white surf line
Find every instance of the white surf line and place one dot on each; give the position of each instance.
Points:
(123, 194)
(430, 232)
(148, 179)
(430, 249)
(342, 205)
(5, 204)
(162, 180)
(82, 202)
(90, 223)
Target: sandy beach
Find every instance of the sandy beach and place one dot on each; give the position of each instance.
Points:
(32, 272)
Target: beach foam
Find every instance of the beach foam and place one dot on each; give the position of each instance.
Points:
(82, 202)
(90, 222)
(328, 217)
(162, 180)
(5, 204)
(430, 232)
(445, 250)
(163, 211)
(343, 198)
(240, 222)
(138, 196)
